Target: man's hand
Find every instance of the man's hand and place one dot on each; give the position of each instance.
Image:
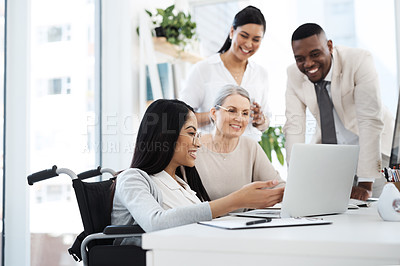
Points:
(362, 192)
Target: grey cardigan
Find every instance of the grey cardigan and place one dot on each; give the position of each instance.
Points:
(137, 200)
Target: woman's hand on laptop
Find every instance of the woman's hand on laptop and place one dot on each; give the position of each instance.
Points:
(362, 192)
(259, 194)
(256, 195)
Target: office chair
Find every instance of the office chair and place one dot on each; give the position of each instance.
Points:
(94, 246)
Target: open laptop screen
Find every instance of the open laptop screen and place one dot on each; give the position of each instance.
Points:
(319, 179)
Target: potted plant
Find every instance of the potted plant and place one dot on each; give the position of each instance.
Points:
(273, 139)
(177, 27)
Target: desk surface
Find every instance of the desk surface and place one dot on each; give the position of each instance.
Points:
(360, 236)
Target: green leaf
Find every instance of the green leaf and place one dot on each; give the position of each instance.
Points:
(279, 154)
(273, 139)
(160, 12)
(169, 9)
(265, 145)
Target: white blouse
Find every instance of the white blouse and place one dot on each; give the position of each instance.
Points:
(174, 194)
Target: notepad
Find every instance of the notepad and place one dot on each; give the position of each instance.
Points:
(235, 223)
(259, 213)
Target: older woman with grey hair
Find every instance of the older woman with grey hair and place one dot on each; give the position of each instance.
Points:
(227, 160)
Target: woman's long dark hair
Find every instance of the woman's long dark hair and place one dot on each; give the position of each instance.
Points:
(247, 15)
(157, 137)
(194, 181)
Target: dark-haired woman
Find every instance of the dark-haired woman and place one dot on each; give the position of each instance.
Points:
(152, 192)
(231, 65)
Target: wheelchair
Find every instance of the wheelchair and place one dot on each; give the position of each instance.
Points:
(94, 246)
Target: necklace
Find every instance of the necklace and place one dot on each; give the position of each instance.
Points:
(237, 75)
(217, 147)
(223, 155)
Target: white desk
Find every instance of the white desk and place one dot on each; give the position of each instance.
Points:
(358, 237)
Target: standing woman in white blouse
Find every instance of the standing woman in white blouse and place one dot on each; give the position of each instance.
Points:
(227, 160)
(231, 65)
(152, 192)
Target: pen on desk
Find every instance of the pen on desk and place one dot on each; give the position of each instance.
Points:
(259, 221)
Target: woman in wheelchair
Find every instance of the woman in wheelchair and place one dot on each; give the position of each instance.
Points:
(152, 192)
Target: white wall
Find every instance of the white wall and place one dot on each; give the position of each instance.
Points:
(121, 78)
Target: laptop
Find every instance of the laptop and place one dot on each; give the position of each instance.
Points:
(319, 182)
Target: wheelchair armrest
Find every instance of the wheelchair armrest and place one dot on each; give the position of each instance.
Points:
(96, 236)
(123, 229)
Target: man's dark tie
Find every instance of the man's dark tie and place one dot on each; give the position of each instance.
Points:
(328, 132)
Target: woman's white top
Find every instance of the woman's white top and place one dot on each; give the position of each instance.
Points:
(174, 194)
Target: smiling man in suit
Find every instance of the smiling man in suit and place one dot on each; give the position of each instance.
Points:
(339, 86)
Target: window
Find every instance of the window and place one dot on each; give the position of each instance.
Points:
(59, 86)
(214, 22)
(63, 90)
(54, 33)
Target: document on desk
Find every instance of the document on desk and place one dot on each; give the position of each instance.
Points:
(259, 213)
(243, 223)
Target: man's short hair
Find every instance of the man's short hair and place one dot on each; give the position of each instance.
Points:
(306, 30)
